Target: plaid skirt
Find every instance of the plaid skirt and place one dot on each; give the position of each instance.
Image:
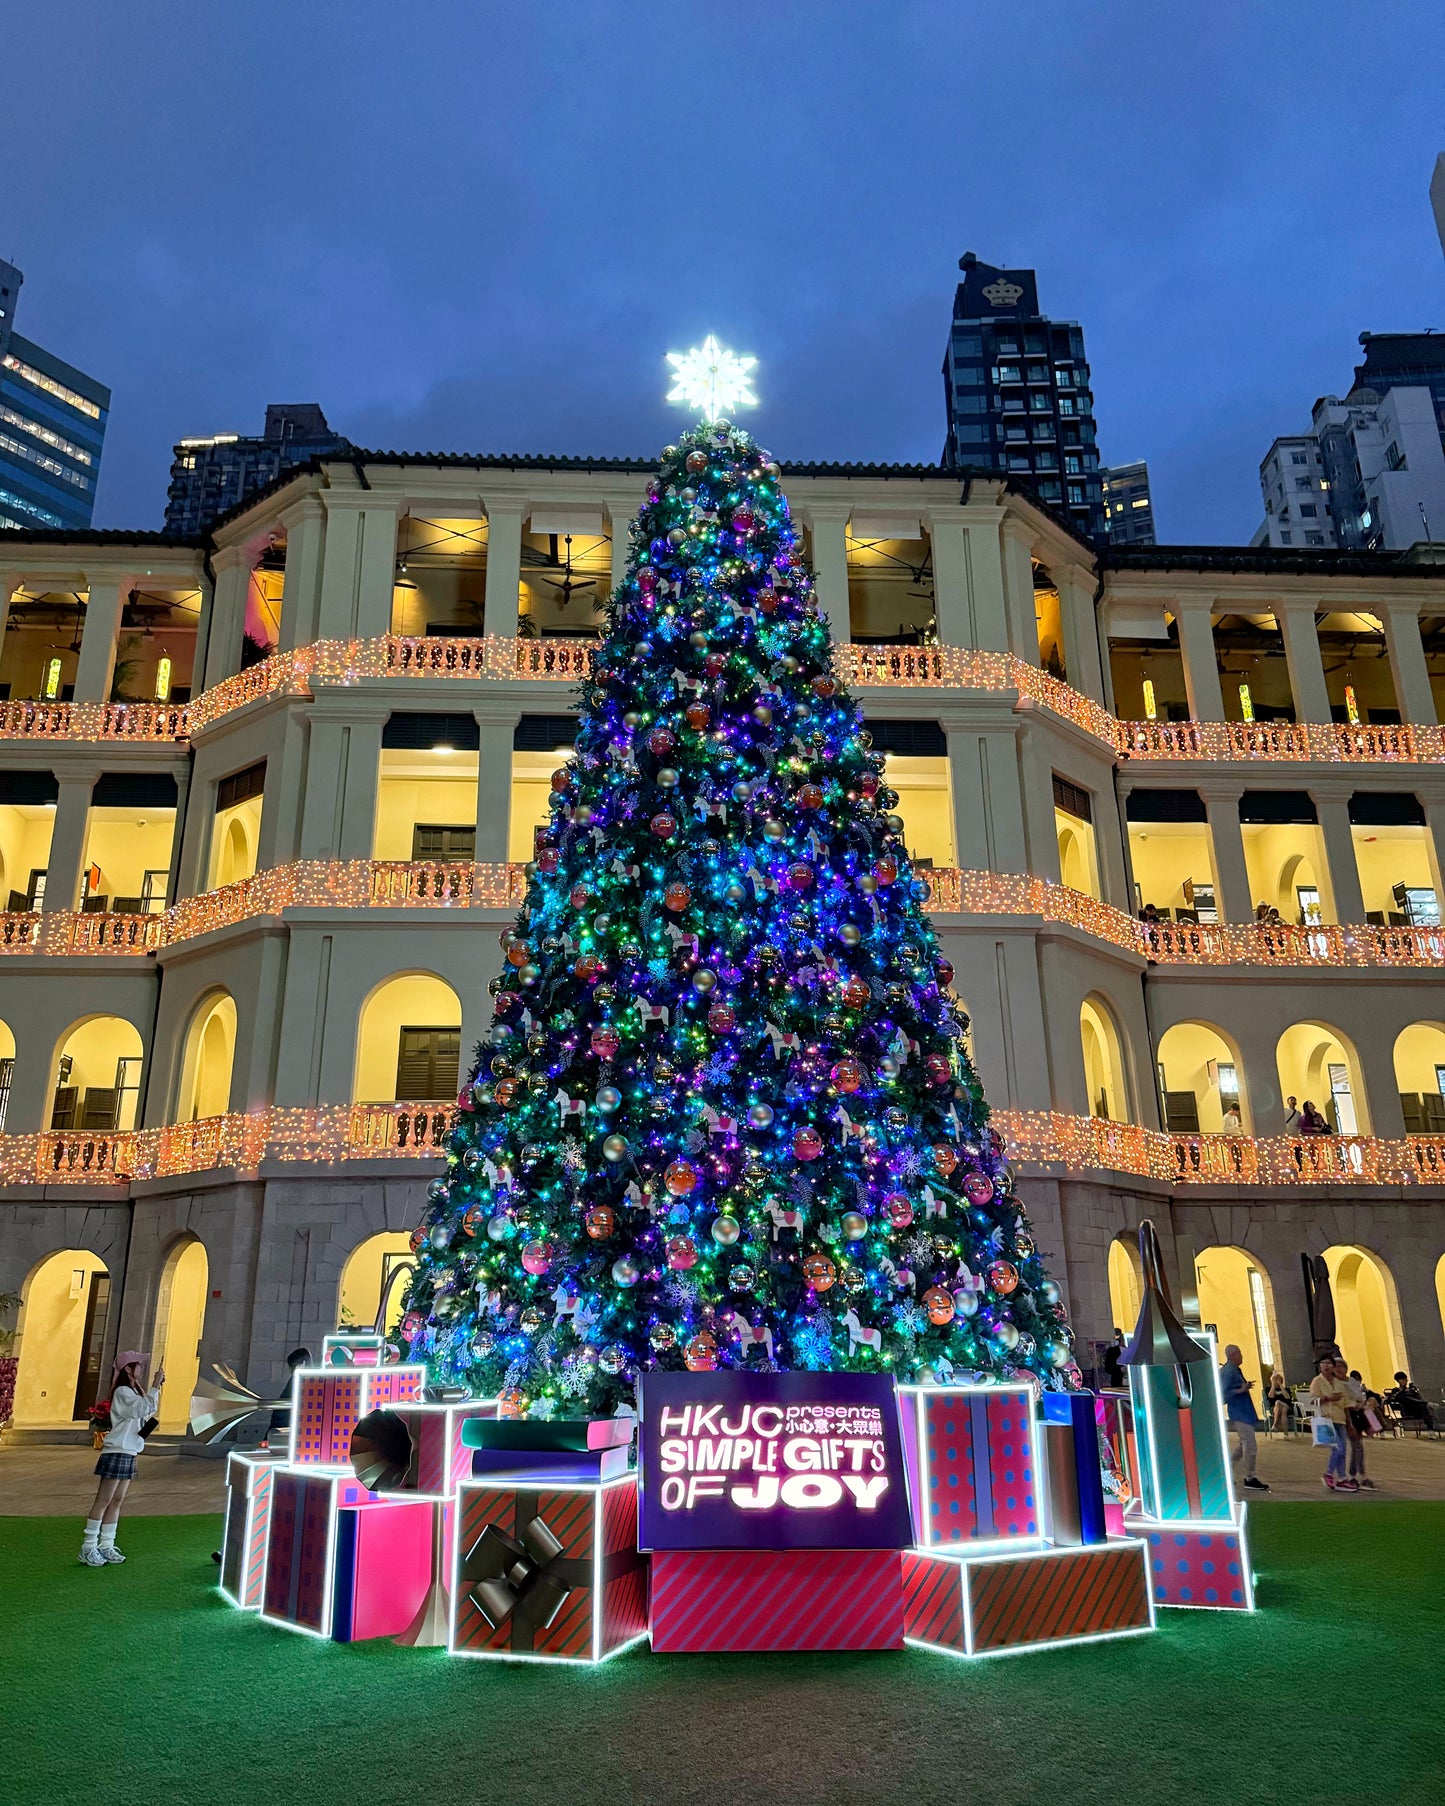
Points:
(113, 1466)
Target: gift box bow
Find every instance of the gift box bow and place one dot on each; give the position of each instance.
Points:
(525, 1578)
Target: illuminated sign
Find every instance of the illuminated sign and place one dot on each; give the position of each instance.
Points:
(772, 1461)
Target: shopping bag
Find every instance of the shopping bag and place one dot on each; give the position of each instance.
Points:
(1325, 1432)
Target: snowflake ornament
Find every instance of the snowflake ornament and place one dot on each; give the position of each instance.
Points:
(712, 379)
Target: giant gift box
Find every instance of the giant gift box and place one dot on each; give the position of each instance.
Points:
(300, 1572)
(974, 1467)
(249, 1481)
(328, 1403)
(1205, 1566)
(1180, 1448)
(984, 1605)
(547, 1571)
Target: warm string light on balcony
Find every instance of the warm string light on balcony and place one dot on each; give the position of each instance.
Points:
(386, 884)
(340, 663)
(1051, 1140)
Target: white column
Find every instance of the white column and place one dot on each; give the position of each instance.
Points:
(1306, 666)
(1201, 661)
(1081, 631)
(1018, 574)
(950, 543)
(1231, 873)
(103, 607)
(988, 803)
(233, 566)
(9, 582)
(1407, 664)
(494, 783)
(620, 512)
(828, 528)
(359, 568)
(1344, 872)
(67, 840)
(324, 801)
(361, 782)
(301, 597)
(505, 515)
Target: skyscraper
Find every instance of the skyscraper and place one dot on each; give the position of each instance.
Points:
(1016, 392)
(1128, 504)
(52, 426)
(210, 475)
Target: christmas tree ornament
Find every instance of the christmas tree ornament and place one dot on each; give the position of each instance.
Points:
(724, 1066)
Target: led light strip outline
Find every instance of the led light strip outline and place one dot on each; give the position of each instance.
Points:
(524, 1655)
(963, 1562)
(251, 1463)
(917, 1396)
(1141, 1525)
(364, 1404)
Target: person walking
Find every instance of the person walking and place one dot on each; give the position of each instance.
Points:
(132, 1406)
(1240, 1415)
(1357, 1427)
(1331, 1399)
(1278, 1399)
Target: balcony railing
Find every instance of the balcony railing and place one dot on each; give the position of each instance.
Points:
(344, 662)
(452, 884)
(331, 1134)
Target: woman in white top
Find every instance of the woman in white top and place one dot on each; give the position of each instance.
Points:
(131, 1404)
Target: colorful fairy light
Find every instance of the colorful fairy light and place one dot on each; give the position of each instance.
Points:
(724, 1117)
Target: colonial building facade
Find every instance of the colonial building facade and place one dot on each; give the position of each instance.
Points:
(266, 797)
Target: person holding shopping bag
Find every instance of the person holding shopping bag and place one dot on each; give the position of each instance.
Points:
(133, 1409)
(1330, 1392)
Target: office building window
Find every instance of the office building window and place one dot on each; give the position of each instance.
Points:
(1298, 458)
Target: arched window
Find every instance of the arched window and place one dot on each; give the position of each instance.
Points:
(64, 1305)
(97, 1075)
(1200, 1082)
(1367, 1314)
(205, 1087)
(180, 1318)
(409, 1041)
(1103, 1062)
(1420, 1077)
(1317, 1065)
(1125, 1289)
(1236, 1301)
(365, 1276)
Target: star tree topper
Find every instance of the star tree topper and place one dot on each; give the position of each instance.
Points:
(712, 379)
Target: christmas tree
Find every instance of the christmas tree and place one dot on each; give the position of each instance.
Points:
(726, 1117)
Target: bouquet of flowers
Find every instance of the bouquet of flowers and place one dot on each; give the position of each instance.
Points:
(99, 1415)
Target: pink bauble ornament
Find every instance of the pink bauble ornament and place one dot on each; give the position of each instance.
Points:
(807, 1144)
(978, 1187)
(536, 1257)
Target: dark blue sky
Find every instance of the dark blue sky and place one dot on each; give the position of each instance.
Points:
(470, 225)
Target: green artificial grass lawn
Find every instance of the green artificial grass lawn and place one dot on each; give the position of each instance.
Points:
(137, 1684)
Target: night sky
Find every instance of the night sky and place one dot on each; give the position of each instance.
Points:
(469, 226)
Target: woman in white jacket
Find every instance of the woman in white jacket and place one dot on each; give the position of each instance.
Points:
(131, 1404)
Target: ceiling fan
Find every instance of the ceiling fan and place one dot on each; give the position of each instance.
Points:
(569, 583)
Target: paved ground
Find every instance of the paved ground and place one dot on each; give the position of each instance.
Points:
(59, 1482)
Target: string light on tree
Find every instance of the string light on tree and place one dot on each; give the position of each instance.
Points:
(725, 1116)
(711, 379)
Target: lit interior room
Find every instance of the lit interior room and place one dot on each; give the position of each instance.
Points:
(426, 798)
(129, 839)
(1395, 855)
(890, 583)
(1171, 853)
(440, 585)
(566, 575)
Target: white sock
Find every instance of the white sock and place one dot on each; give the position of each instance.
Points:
(107, 1536)
(92, 1531)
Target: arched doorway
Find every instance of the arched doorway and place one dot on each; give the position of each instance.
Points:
(365, 1274)
(7, 1070)
(1317, 1065)
(1200, 1081)
(409, 1041)
(1103, 1062)
(180, 1318)
(1420, 1077)
(205, 1088)
(1236, 1301)
(1125, 1287)
(65, 1304)
(1367, 1314)
(97, 1076)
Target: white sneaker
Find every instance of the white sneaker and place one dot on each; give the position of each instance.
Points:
(109, 1552)
(91, 1557)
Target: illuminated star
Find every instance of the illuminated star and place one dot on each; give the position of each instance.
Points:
(711, 379)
